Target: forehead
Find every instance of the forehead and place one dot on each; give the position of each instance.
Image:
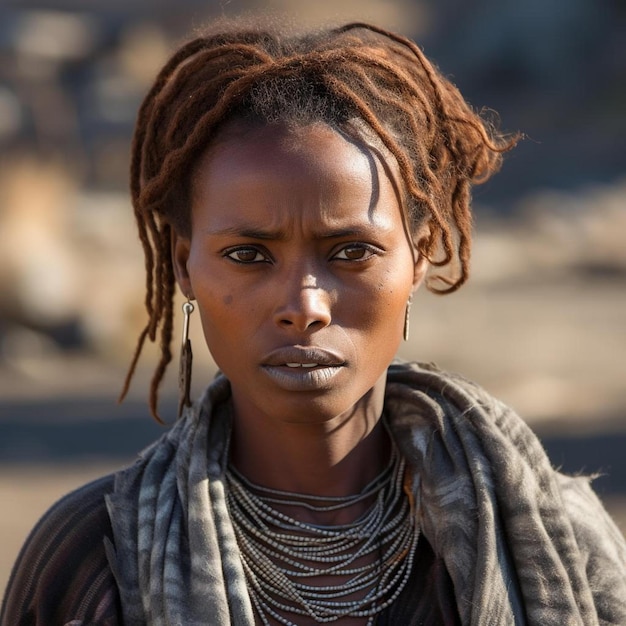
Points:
(282, 175)
(259, 146)
(242, 151)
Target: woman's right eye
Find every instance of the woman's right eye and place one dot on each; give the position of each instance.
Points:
(246, 255)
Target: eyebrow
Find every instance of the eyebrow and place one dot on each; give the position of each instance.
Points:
(251, 233)
(280, 235)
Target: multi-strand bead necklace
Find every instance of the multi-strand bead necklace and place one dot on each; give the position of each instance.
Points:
(370, 559)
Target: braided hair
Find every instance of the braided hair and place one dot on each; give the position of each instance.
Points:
(350, 76)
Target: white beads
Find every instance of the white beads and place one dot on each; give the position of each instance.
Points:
(371, 558)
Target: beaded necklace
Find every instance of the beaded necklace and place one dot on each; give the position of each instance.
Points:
(371, 558)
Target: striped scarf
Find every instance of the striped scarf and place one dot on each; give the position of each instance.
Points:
(523, 544)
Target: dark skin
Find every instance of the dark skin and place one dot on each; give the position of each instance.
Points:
(301, 268)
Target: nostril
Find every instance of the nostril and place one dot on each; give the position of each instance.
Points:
(304, 309)
(301, 323)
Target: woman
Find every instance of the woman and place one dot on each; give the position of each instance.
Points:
(298, 190)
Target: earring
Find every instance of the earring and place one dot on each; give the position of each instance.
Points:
(407, 320)
(186, 357)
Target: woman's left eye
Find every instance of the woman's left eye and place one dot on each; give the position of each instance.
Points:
(355, 252)
(246, 255)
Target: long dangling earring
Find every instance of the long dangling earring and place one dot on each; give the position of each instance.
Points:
(186, 358)
(407, 320)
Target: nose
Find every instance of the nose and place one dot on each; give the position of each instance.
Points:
(304, 304)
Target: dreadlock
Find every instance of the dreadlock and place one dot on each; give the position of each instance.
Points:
(355, 74)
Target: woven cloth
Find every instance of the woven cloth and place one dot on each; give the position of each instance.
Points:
(523, 544)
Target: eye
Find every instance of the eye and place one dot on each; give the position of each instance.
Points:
(246, 255)
(355, 252)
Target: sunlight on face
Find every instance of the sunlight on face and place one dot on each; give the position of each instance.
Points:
(301, 268)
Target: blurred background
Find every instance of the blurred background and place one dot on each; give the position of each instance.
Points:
(542, 323)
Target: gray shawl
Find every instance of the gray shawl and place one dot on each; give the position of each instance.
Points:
(523, 544)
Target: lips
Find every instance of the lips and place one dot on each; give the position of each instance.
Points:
(298, 368)
(303, 357)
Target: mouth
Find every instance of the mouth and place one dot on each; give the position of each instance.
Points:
(301, 364)
(297, 368)
(303, 357)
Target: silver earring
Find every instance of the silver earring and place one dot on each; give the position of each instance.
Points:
(186, 357)
(407, 320)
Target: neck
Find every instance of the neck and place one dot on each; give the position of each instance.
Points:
(336, 457)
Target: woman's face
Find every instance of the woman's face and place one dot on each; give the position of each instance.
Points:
(301, 268)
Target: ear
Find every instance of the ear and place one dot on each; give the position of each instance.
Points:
(419, 271)
(421, 262)
(180, 250)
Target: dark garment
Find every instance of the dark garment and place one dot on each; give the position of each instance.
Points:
(428, 598)
(62, 573)
(63, 576)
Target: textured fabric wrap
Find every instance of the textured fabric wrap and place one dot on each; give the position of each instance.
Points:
(523, 544)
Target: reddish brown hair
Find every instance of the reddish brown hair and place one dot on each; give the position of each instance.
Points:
(354, 73)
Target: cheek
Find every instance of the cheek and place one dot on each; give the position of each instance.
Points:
(212, 290)
(222, 326)
(215, 303)
(229, 314)
(395, 290)
(380, 309)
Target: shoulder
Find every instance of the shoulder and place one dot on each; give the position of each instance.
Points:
(429, 378)
(474, 455)
(62, 572)
(601, 546)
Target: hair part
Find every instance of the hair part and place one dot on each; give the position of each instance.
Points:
(350, 76)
